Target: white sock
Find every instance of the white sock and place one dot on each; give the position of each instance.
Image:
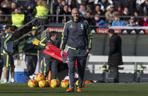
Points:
(12, 80)
(5, 81)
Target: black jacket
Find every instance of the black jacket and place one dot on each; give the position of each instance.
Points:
(115, 54)
(29, 48)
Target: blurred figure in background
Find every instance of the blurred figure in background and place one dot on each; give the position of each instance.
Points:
(6, 6)
(18, 18)
(3, 20)
(48, 65)
(82, 9)
(118, 22)
(7, 54)
(51, 63)
(144, 8)
(115, 54)
(89, 18)
(13, 6)
(100, 22)
(109, 14)
(65, 12)
(145, 21)
(41, 12)
(133, 22)
(104, 4)
(98, 10)
(28, 9)
(31, 53)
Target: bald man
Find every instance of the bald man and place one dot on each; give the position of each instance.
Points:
(76, 38)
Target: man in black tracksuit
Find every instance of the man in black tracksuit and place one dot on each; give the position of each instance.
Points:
(115, 54)
(31, 53)
(76, 39)
(51, 63)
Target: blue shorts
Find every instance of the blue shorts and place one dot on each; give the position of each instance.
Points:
(7, 60)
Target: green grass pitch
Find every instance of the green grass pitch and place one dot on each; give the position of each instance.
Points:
(96, 89)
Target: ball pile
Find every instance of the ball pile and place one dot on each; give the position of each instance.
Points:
(40, 81)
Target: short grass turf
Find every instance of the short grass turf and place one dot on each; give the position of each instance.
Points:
(96, 89)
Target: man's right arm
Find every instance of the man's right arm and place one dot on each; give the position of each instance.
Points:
(64, 37)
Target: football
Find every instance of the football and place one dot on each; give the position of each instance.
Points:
(39, 77)
(64, 83)
(32, 83)
(42, 83)
(54, 83)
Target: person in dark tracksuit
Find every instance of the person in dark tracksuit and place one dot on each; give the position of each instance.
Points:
(30, 53)
(115, 54)
(7, 53)
(51, 63)
(76, 38)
